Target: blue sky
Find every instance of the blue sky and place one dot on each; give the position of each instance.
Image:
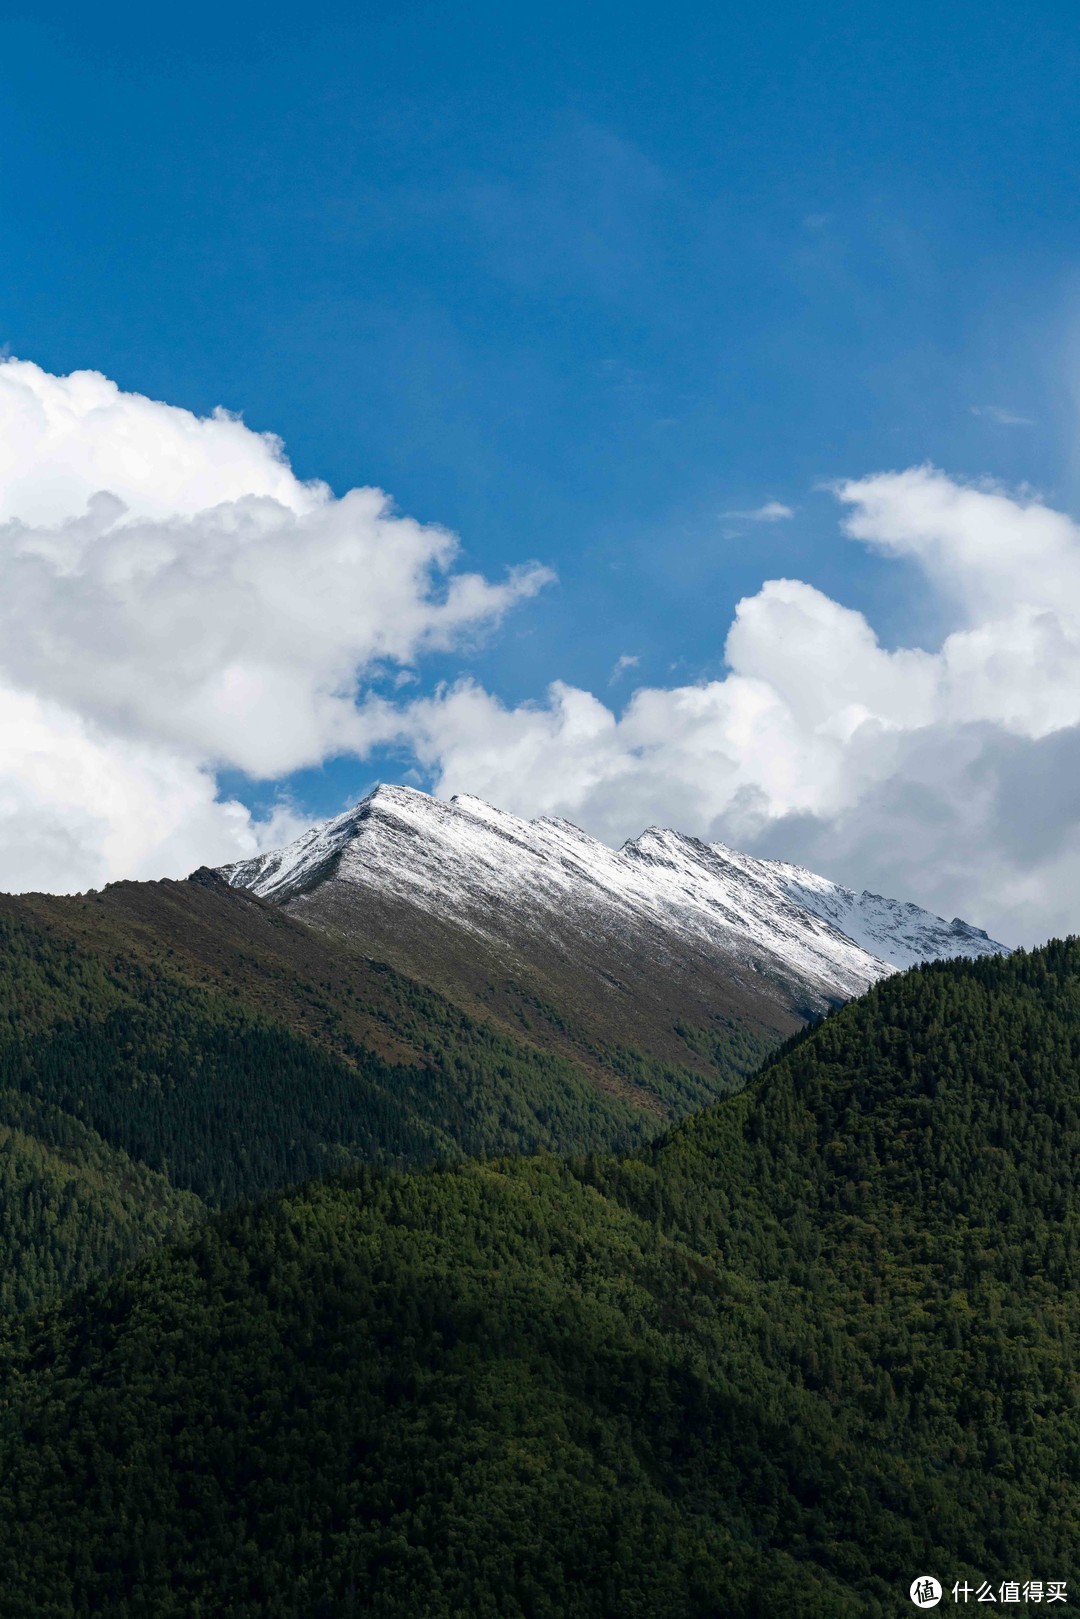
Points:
(573, 281)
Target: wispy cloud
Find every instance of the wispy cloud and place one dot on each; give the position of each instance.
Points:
(773, 511)
(628, 660)
(1001, 417)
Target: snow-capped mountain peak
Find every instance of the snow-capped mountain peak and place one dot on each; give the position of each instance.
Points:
(516, 886)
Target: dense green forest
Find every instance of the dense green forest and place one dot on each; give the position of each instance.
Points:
(167, 1048)
(820, 1337)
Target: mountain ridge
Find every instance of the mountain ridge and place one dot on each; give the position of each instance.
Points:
(171, 1047)
(461, 895)
(302, 865)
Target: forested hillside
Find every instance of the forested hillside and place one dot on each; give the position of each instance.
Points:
(171, 1047)
(820, 1338)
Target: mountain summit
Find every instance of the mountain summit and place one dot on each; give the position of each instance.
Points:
(667, 930)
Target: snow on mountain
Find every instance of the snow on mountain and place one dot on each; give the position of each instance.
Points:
(668, 898)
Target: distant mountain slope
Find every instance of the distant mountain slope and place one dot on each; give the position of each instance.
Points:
(667, 930)
(193, 975)
(821, 1338)
(168, 1047)
(471, 985)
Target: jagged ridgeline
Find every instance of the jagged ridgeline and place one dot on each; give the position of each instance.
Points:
(417, 980)
(820, 1338)
(168, 1048)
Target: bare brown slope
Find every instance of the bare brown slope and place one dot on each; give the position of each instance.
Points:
(582, 993)
(230, 941)
(344, 991)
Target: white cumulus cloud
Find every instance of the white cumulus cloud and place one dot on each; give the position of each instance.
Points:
(173, 601)
(944, 774)
(62, 439)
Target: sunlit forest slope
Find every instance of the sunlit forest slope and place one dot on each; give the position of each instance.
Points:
(820, 1337)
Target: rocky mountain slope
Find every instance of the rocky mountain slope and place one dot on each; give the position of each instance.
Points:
(633, 943)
